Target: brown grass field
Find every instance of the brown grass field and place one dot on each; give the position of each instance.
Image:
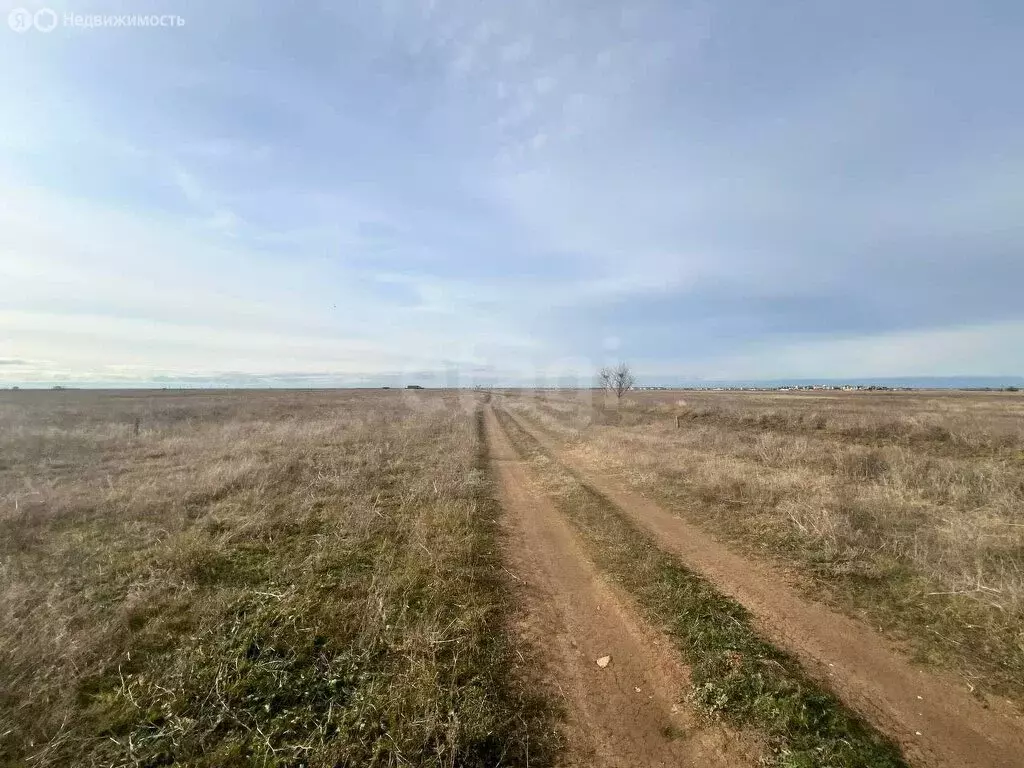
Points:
(905, 508)
(253, 578)
(322, 578)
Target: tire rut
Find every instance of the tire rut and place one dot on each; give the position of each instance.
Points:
(934, 722)
(627, 713)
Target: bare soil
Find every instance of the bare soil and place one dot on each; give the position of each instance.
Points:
(933, 719)
(628, 713)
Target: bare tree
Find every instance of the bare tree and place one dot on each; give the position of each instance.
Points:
(617, 379)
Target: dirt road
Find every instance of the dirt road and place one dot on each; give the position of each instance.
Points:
(628, 713)
(930, 716)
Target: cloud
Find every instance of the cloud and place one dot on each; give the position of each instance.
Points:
(983, 350)
(364, 188)
(213, 213)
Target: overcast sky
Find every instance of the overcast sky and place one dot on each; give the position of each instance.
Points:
(337, 191)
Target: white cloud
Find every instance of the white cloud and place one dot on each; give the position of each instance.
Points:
(515, 52)
(390, 184)
(88, 289)
(995, 349)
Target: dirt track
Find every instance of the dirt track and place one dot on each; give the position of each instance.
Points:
(931, 717)
(628, 713)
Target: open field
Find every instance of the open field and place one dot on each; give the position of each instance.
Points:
(254, 579)
(906, 509)
(452, 579)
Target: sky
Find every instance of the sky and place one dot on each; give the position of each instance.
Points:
(345, 193)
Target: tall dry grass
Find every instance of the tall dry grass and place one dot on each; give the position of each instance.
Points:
(254, 579)
(906, 508)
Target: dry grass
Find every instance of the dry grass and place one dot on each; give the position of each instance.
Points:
(254, 579)
(907, 508)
